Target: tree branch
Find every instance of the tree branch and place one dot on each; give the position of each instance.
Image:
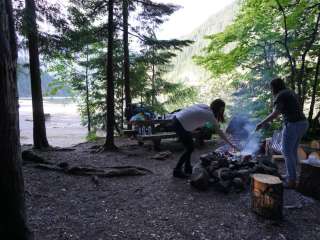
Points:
(308, 47)
(290, 57)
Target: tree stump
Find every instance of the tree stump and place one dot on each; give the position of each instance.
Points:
(315, 144)
(309, 182)
(267, 196)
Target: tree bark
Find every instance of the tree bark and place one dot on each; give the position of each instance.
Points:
(109, 144)
(87, 90)
(12, 204)
(314, 90)
(126, 61)
(153, 78)
(302, 84)
(267, 196)
(39, 128)
(153, 85)
(122, 102)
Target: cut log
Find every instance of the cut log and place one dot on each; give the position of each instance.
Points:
(267, 196)
(309, 182)
(302, 154)
(315, 144)
(277, 157)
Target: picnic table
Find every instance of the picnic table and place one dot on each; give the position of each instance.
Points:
(155, 130)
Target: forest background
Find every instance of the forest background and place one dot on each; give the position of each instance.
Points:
(233, 55)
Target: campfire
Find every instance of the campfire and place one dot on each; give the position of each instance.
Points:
(226, 170)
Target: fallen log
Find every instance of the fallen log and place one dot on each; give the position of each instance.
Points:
(267, 196)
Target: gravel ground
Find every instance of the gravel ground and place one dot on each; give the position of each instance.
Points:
(153, 206)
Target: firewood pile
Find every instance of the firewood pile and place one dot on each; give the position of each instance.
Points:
(226, 172)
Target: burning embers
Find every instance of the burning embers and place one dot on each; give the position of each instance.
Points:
(225, 171)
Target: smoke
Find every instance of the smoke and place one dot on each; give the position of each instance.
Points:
(242, 130)
(252, 143)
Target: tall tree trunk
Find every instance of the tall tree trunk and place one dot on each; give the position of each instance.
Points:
(153, 96)
(314, 90)
(122, 101)
(126, 61)
(12, 205)
(302, 81)
(109, 145)
(39, 128)
(153, 78)
(87, 90)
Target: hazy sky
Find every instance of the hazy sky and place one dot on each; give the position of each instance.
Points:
(193, 14)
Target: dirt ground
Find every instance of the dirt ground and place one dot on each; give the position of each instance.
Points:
(153, 206)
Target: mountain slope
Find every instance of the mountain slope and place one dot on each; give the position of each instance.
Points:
(24, 84)
(184, 69)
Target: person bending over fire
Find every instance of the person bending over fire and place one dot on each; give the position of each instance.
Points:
(187, 120)
(286, 102)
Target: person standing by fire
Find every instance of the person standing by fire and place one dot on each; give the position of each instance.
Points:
(287, 104)
(187, 120)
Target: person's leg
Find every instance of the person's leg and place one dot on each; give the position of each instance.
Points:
(187, 141)
(289, 148)
(189, 146)
(292, 135)
(301, 129)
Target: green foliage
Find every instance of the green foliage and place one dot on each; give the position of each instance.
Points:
(80, 63)
(254, 49)
(92, 137)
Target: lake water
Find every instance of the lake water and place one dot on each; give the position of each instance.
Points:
(64, 127)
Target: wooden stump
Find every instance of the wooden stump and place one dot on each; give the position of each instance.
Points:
(267, 196)
(309, 182)
(315, 144)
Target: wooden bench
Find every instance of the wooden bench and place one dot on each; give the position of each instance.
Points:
(129, 133)
(157, 137)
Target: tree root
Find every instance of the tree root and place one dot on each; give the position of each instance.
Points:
(37, 161)
(116, 171)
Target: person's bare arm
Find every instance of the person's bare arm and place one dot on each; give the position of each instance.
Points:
(226, 139)
(275, 113)
(222, 134)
